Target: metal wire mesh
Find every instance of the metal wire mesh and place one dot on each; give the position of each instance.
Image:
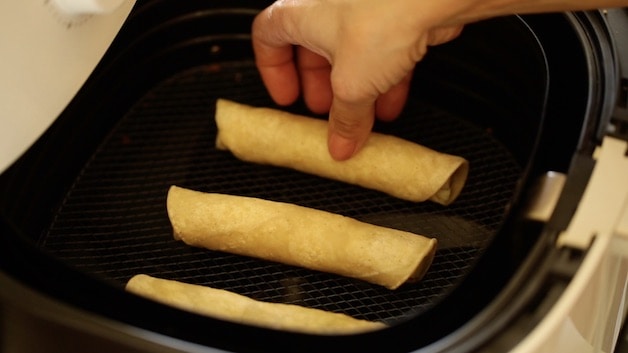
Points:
(113, 222)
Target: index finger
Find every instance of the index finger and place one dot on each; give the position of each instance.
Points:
(350, 124)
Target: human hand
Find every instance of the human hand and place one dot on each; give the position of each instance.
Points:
(354, 58)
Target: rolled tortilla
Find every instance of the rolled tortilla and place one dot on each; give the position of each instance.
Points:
(386, 163)
(299, 236)
(229, 306)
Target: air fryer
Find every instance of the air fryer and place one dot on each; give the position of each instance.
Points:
(83, 210)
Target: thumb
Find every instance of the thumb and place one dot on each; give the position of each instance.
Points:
(350, 124)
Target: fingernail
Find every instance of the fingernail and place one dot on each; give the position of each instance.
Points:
(341, 148)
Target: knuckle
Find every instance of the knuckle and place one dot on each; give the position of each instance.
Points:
(346, 127)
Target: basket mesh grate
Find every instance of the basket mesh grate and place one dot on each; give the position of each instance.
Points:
(113, 222)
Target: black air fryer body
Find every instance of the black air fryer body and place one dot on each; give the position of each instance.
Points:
(83, 210)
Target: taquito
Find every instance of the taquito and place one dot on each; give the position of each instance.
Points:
(386, 163)
(229, 306)
(299, 236)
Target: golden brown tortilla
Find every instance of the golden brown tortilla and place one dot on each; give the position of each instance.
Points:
(229, 306)
(299, 236)
(386, 163)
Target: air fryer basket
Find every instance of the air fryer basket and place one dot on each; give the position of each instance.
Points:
(113, 223)
(144, 121)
